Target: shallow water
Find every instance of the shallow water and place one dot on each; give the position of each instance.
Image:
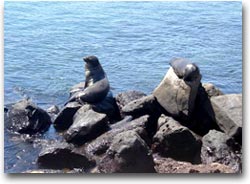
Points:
(45, 41)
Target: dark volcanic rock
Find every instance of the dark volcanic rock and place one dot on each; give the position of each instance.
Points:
(65, 118)
(128, 153)
(61, 155)
(218, 147)
(87, 125)
(26, 118)
(176, 141)
(212, 90)
(177, 95)
(228, 114)
(124, 98)
(102, 143)
(168, 165)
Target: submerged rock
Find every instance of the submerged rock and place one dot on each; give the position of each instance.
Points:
(61, 155)
(228, 114)
(26, 118)
(87, 125)
(128, 153)
(176, 141)
(177, 91)
(65, 118)
(218, 147)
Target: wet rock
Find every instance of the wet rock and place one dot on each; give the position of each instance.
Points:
(26, 118)
(61, 155)
(228, 114)
(128, 153)
(108, 106)
(102, 143)
(168, 165)
(176, 141)
(212, 90)
(125, 97)
(87, 125)
(65, 118)
(177, 94)
(218, 147)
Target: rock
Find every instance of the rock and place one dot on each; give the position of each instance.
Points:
(26, 118)
(228, 114)
(61, 155)
(53, 109)
(218, 147)
(125, 97)
(140, 106)
(128, 153)
(176, 95)
(168, 165)
(212, 90)
(102, 143)
(65, 118)
(176, 141)
(87, 125)
(108, 106)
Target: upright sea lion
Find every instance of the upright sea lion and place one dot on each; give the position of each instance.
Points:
(185, 69)
(96, 85)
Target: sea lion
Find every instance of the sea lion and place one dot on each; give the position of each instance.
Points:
(185, 69)
(96, 85)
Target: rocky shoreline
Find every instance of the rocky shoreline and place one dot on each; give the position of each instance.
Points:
(184, 126)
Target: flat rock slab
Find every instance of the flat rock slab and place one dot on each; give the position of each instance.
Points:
(61, 155)
(87, 125)
(176, 141)
(228, 114)
(219, 147)
(169, 166)
(128, 153)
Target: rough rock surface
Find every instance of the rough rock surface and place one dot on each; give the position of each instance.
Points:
(87, 125)
(176, 141)
(218, 147)
(102, 143)
(124, 98)
(65, 118)
(128, 153)
(168, 165)
(26, 118)
(177, 96)
(61, 155)
(212, 90)
(228, 114)
(53, 109)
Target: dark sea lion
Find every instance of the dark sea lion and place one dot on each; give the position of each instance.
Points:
(185, 69)
(96, 85)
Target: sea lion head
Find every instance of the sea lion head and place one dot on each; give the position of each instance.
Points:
(191, 72)
(91, 61)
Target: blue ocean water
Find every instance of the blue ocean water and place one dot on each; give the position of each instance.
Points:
(45, 41)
